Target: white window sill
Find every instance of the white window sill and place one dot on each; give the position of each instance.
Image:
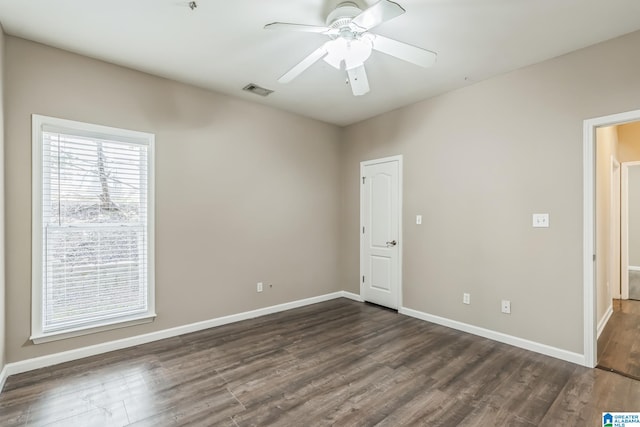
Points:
(86, 330)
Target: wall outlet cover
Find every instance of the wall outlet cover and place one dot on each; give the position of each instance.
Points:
(541, 220)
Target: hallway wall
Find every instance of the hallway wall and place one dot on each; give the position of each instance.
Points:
(606, 148)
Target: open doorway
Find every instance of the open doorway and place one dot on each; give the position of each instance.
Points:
(617, 247)
(590, 290)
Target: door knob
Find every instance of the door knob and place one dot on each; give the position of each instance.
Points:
(391, 244)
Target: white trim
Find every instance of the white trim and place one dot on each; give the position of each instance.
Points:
(397, 158)
(605, 319)
(588, 232)
(70, 355)
(151, 224)
(400, 233)
(70, 333)
(624, 235)
(3, 377)
(66, 356)
(36, 224)
(547, 350)
(352, 296)
(588, 249)
(40, 124)
(633, 268)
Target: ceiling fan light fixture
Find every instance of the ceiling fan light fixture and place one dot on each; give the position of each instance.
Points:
(351, 43)
(350, 52)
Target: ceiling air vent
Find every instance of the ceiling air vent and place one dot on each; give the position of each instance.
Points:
(254, 88)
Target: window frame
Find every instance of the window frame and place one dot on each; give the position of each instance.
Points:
(39, 122)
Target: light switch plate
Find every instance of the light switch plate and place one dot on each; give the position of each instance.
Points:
(506, 306)
(541, 220)
(466, 298)
(418, 219)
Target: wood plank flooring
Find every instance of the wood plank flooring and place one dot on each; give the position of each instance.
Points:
(337, 363)
(619, 343)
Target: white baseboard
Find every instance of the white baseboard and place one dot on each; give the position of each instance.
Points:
(67, 356)
(352, 296)
(497, 336)
(605, 319)
(3, 377)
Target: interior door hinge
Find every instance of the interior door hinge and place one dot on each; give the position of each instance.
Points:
(362, 279)
(363, 178)
(362, 230)
(594, 257)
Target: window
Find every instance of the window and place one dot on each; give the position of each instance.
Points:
(92, 228)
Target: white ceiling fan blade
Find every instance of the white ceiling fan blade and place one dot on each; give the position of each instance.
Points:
(377, 14)
(284, 26)
(406, 52)
(358, 80)
(303, 65)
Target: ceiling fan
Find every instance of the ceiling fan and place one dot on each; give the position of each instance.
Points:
(351, 42)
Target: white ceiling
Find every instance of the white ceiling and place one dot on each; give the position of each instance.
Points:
(222, 45)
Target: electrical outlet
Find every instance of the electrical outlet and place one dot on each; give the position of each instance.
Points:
(418, 219)
(541, 220)
(466, 298)
(259, 287)
(506, 306)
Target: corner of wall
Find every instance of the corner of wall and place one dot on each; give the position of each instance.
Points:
(345, 229)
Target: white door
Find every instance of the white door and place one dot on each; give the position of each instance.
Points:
(380, 231)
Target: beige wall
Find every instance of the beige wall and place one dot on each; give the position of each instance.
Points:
(606, 148)
(477, 163)
(2, 243)
(244, 193)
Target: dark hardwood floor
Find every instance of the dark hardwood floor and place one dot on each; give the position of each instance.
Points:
(619, 343)
(336, 363)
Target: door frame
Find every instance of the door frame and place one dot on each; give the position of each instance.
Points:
(588, 232)
(400, 245)
(624, 229)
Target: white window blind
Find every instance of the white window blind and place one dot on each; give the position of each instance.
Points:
(94, 226)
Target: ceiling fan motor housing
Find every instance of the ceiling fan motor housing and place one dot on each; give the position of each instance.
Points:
(342, 15)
